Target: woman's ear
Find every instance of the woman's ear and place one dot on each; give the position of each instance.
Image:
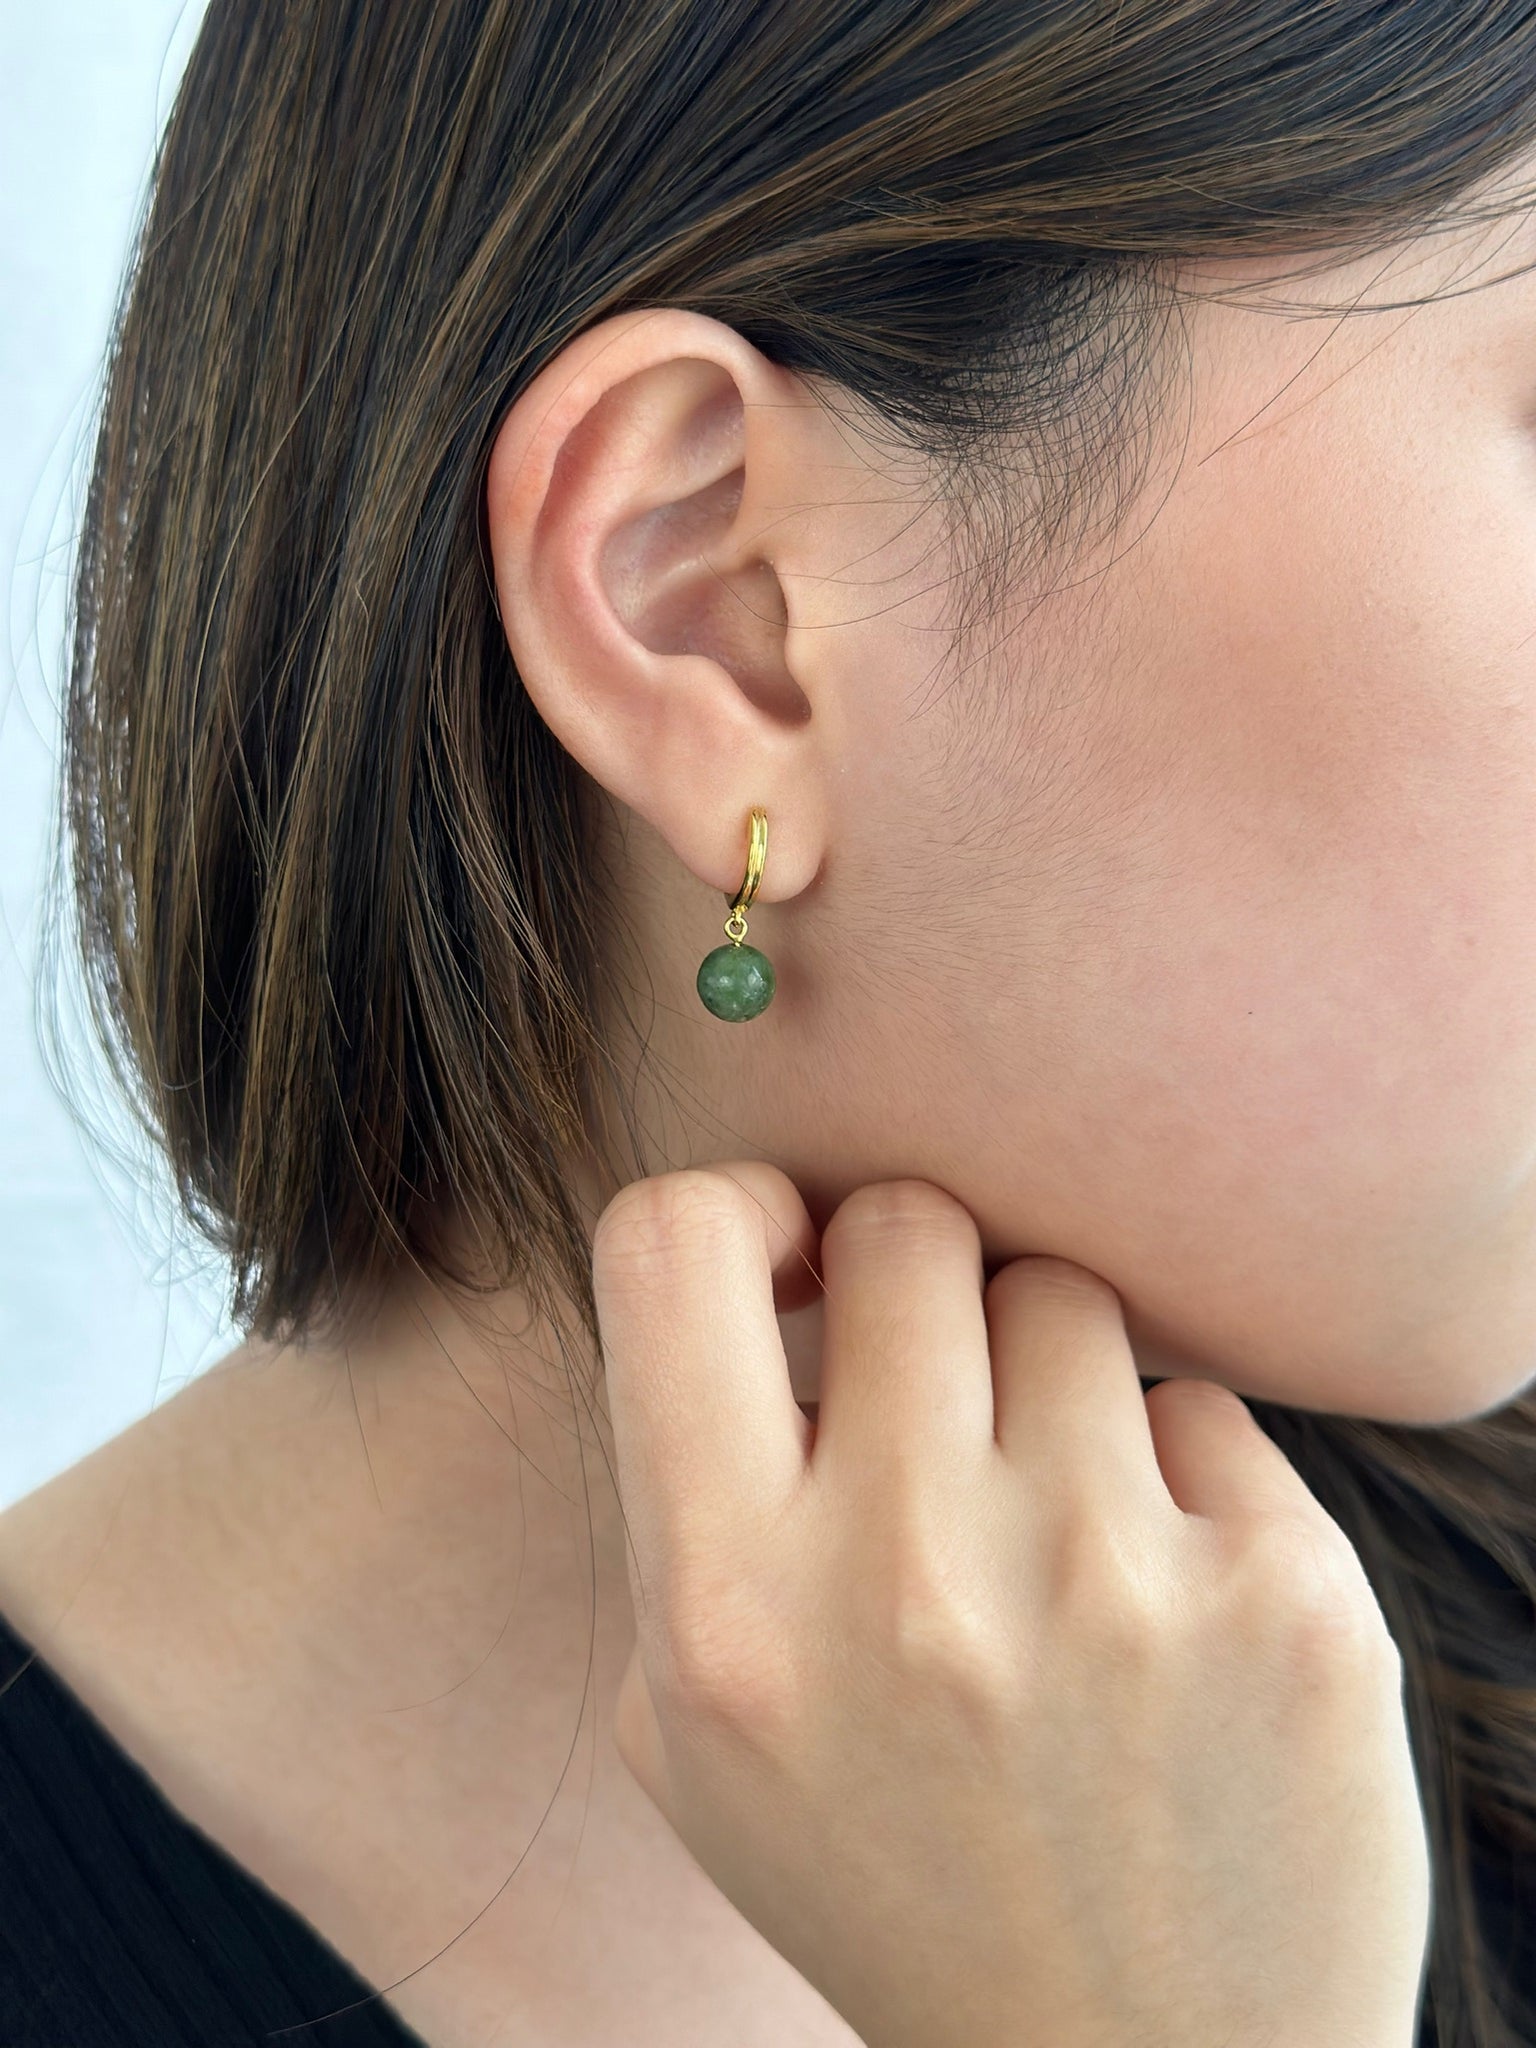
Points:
(637, 494)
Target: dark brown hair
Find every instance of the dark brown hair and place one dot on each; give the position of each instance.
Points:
(334, 902)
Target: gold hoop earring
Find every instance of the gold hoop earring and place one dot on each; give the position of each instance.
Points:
(736, 981)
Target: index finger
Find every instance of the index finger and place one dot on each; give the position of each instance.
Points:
(707, 1434)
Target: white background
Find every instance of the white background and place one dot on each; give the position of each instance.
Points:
(106, 1306)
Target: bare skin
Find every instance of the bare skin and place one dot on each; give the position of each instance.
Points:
(1186, 936)
(346, 1627)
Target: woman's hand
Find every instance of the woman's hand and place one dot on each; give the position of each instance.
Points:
(1011, 1704)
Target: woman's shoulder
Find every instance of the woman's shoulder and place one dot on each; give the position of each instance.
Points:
(121, 1923)
(65, 1546)
(75, 1550)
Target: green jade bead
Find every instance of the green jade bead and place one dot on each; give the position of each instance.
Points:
(736, 982)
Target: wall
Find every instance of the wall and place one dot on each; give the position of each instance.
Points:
(105, 1308)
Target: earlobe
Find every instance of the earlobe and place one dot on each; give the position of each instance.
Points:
(634, 501)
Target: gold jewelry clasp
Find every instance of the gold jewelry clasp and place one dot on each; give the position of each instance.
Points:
(757, 857)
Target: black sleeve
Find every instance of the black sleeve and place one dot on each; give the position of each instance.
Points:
(122, 1925)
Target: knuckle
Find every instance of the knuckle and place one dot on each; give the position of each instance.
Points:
(913, 1210)
(1306, 1589)
(941, 1647)
(944, 1638)
(1110, 1594)
(726, 1670)
(691, 1213)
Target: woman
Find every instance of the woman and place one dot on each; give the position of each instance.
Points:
(1072, 471)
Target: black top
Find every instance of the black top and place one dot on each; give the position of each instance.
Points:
(122, 1925)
